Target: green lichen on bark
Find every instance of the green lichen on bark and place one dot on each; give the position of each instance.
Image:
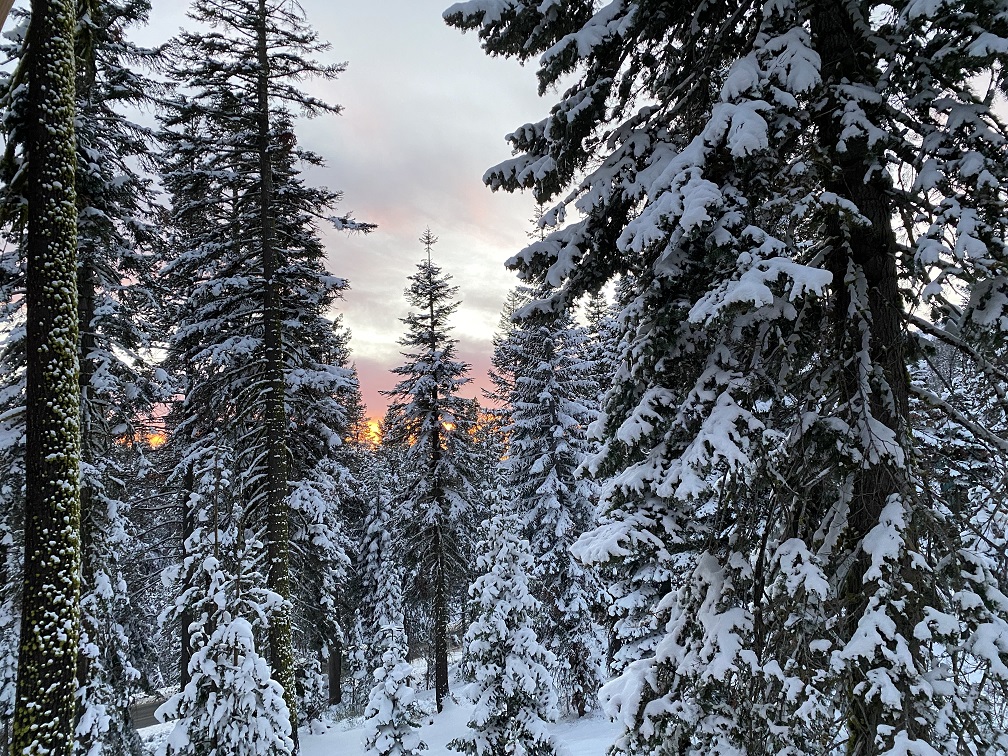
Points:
(44, 711)
(278, 508)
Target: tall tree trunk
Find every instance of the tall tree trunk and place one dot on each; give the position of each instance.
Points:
(50, 625)
(334, 667)
(440, 579)
(277, 512)
(186, 617)
(440, 622)
(871, 250)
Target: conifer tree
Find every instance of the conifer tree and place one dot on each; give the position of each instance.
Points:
(546, 446)
(504, 361)
(390, 726)
(117, 250)
(428, 422)
(321, 548)
(512, 685)
(796, 195)
(600, 346)
(253, 267)
(378, 588)
(231, 703)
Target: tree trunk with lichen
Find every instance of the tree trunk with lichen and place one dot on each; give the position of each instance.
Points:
(50, 626)
(277, 509)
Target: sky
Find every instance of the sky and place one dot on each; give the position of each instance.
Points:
(425, 115)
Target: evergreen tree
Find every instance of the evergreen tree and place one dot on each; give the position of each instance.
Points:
(321, 549)
(785, 190)
(429, 423)
(378, 588)
(504, 361)
(231, 703)
(253, 270)
(546, 446)
(512, 685)
(117, 251)
(390, 726)
(600, 347)
(252, 260)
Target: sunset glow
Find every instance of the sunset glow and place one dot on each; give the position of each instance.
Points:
(156, 439)
(374, 434)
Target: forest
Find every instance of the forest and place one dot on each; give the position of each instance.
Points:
(738, 487)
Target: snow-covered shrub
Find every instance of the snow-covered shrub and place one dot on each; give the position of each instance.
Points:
(390, 727)
(510, 670)
(231, 706)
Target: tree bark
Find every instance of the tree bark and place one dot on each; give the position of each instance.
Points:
(50, 626)
(186, 617)
(440, 622)
(335, 673)
(871, 251)
(277, 513)
(5, 8)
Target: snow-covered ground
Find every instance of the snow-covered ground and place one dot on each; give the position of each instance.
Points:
(590, 736)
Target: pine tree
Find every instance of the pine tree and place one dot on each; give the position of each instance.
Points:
(546, 446)
(117, 249)
(504, 362)
(786, 190)
(321, 549)
(601, 345)
(231, 703)
(378, 588)
(390, 722)
(390, 728)
(510, 668)
(428, 421)
(253, 267)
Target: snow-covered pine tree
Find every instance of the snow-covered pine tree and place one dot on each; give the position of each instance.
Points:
(786, 189)
(321, 547)
(231, 703)
(552, 391)
(390, 722)
(261, 267)
(118, 250)
(601, 344)
(512, 686)
(429, 424)
(390, 726)
(254, 342)
(50, 614)
(504, 361)
(378, 588)
(323, 395)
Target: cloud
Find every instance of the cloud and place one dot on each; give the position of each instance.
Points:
(425, 116)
